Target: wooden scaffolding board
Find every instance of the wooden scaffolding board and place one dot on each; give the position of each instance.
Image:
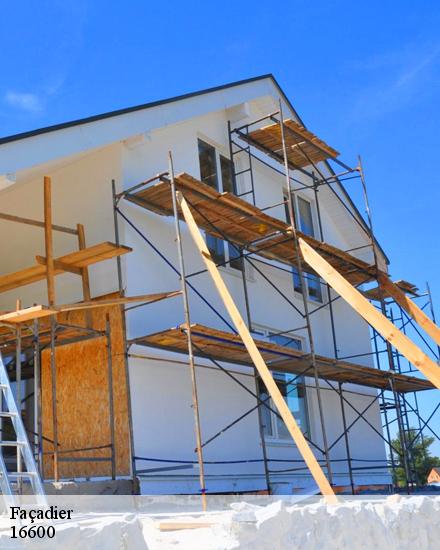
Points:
(66, 333)
(410, 307)
(73, 261)
(228, 347)
(245, 225)
(376, 292)
(303, 147)
(35, 312)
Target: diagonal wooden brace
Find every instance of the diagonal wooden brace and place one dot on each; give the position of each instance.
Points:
(360, 304)
(266, 376)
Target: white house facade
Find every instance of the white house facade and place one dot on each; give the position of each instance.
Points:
(246, 448)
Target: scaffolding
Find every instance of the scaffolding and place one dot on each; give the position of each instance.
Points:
(265, 243)
(287, 148)
(28, 332)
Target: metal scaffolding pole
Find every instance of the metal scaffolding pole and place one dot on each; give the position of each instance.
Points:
(38, 440)
(195, 400)
(384, 312)
(111, 413)
(293, 224)
(335, 347)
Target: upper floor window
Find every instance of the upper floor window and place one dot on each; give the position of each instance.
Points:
(304, 215)
(293, 391)
(216, 170)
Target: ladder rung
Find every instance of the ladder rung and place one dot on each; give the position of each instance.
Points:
(11, 443)
(21, 474)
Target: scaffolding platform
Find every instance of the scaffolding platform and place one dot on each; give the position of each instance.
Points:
(226, 216)
(72, 262)
(303, 147)
(228, 347)
(377, 292)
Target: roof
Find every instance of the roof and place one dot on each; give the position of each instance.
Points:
(152, 104)
(110, 114)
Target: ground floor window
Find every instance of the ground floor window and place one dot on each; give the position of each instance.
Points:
(292, 389)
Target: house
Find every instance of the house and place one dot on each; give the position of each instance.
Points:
(434, 475)
(114, 238)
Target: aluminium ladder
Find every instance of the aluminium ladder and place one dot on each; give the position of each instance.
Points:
(11, 482)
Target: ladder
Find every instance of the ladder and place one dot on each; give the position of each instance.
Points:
(11, 482)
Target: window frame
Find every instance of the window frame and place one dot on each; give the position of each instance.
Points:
(227, 258)
(307, 275)
(274, 437)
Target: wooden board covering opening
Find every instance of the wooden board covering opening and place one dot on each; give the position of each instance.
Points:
(83, 399)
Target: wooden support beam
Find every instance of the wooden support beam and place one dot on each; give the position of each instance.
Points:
(360, 304)
(143, 298)
(410, 307)
(256, 356)
(36, 223)
(184, 525)
(38, 311)
(84, 270)
(26, 314)
(60, 266)
(48, 240)
(85, 275)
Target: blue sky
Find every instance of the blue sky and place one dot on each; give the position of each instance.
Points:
(364, 76)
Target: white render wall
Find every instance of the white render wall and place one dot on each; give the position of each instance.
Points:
(160, 388)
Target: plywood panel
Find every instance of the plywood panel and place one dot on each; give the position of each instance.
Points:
(83, 400)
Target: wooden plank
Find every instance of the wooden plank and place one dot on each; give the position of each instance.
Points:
(27, 314)
(80, 258)
(48, 241)
(410, 307)
(38, 311)
(226, 215)
(84, 270)
(228, 347)
(145, 298)
(35, 223)
(255, 354)
(302, 145)
(59, 266)
(360, 304)
(184, 525)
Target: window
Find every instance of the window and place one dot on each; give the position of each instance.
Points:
(304, 216)
(293, 391)
(208, 164)
(216, 171)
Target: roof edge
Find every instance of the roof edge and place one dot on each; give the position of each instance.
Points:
(126, 110)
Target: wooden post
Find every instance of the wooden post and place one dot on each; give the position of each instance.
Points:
(111, 413)
(49, 241)
(256, 356)
(410, 307)
(50, 278)
(84, 270)
(376, 319)
(84, 273)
